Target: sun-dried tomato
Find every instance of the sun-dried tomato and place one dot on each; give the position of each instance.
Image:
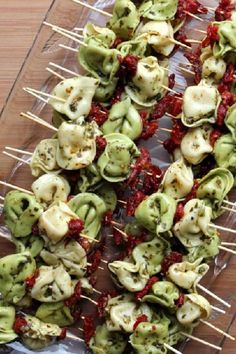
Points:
(194, 59)
(169, 104)
(221, 113)
(193, 193)
(195, 7)
(133, 201)
(35, 229)
(101, 144)
(30, 281)
(149, 129)
(98, 113)
(212, 36)
(180, 301)
(75, 227)
(171, 81)
(107, 218)
(178, 131)
(152, 179)
(141, 164)
(169, 145)
(140, 319)
(19, 324)
(62, 335)
(133, 241)
(88, 327)
(117, 95)
(103, 300)
(224, 10)
(128, 66)
(228, 78)
(117, 236)
(214, 136)
(172, 258)
(76, 312)
(140, 294)
(116, 42)
(179, 213)
(75, 297)
(95, 260)
(181, 36)
(84, 243)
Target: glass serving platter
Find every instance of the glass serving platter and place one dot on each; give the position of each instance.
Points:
(24, 134)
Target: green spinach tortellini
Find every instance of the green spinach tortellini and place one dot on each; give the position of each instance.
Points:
(103, 34)
(164, 293)
(122, 313)
(73, 97)
(106, 342)
(119, 155)
(52, 284)
(50, 188)
(149, 82)
(70, 254)
(207, 250)
(195, 307)
(178, 180)
(214, 187)
(32, 244)
(156, 212)
(193, 227)
(76, 145)
(14, 269)
(108, 194)
(158, 10)
(89, 178)
(137, 46)
(7, 319)
(227, 42)
(90, 208)
(21, 211)
(44, 158)
(55, 313)
(200, 105)
(125, 19)
(187, 275)
(230, 121)
(125, 119)
(225, 152)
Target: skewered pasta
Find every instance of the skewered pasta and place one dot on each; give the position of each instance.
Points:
(164, 293)
(195, 307)
(55, 313)
(156, 10)
(7, 318)
(44, 158)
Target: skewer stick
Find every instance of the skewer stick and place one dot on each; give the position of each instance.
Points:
(213, 295)
(88, 298)
(229, 203)
(186, 70)
(194, 16)
(89, 237)
(36, 95)
(229, 209)
(38, 120)
(228, 243)
(79, 29)
(19, 150)
(120, 231)
(222, 228)
(217, 329)
(16, 187)
(63, 29)
(165, 130)
(28, 89)
(227, 249)
(171, 115)
(217, 309)
(172, 40)
(2, 198)
(172, 349)
(193, 41)
(69, 48)
(170, 90)
(15, 157)
(117, 223)
(7, 237)
(105, 13)
(55, 29)
(122, 201)
(70, 335)
(97, 291)
(201, 341)
(63, 69)
(199, 30)
(55, 73)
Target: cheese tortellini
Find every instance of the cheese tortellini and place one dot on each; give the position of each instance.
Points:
(76, 145)
(225, 152)
(187, 275)
(70, 254)
(73, 97)
(103, 34)
(125, 19)
(21, 211)
(90, 208)
(32, 244)
(213, 68)
(53, 284)
(227, 42)
(200, 105)
(54, 221)
(7, 318)
(163, 293)
(122, 312)
(125, 119)
(160, 35)
(195, 145)
(178, 180)
(156, 212)
(50, 188)
(55, 313)
(44, 158)
(230, 121)
(214, 187)
(158, 10)
(195, 307)
(194, 225)
(14, 269)
(119, 155)
(147, 84)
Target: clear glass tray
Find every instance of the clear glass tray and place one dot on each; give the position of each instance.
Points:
(18, 132)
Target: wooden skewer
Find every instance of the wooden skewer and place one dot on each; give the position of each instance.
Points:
(228, 209)
(193, 41)
(120, 231)
(15, 157)
(104, 261)
(64, 69)
(194, 16)
(105, 13)
(171, 116)
(117, 223)
(89, 264)
(88, 298)
(7, 237)
(16, 187)
(227, 249)
(165, 130)
(217, 309)
(36, 95)
(222, 228)
(70, 335)
(38, 120)
(122, 201)
(69, 48)
(200, 31)
(55, 29)
(228, 243)
(171, 90)
(55, 73)
(63, 29)
(89, 237)
(172, 349)
(79, 29)
(97, 291)
(19, 150)
(186, 70)
(2, 198)
(201, 341)
(229, 203)
(217, 329)
(213, 295)
(172, 40)
(28, 89)
(160, 141)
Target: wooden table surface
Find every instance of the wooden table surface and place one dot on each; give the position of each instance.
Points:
(19, 22)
